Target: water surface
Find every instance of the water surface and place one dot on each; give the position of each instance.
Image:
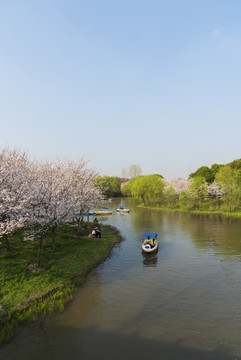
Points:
(182, 303)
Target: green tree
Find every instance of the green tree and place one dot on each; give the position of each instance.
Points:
(214, 169)
(198, 190)
(229, 180)
(148, 188)
(204, 172)
(108, 185)
(171, 197)
(235, 164)
(185, 200)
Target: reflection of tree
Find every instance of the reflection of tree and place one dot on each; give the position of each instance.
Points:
(146, 220)
(208, 232)
(214, 232)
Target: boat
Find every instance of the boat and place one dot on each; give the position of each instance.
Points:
(104, 198)
(122, 209)
(103, 211)
(150, 244)
(90, 213)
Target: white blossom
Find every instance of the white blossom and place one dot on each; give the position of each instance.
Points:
(14, 190)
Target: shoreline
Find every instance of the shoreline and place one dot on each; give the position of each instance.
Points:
(62, 288)
(197, 212)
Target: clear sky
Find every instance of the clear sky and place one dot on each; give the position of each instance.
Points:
(120, 82)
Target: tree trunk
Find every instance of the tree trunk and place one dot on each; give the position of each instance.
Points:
(82, 223)
(53, 238)
(6, 242)
(39, 249)
(78, 228)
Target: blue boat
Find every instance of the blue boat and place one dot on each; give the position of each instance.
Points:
(85, 214)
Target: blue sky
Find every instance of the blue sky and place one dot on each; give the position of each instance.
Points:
(154, 83)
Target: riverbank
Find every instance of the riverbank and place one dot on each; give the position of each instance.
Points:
(28, 292)
(236, 214)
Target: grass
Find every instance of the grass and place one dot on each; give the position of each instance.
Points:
(26, 295)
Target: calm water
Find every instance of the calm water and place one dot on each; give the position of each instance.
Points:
(184, 303)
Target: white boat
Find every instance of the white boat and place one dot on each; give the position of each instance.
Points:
(122, 209)
(150, 244)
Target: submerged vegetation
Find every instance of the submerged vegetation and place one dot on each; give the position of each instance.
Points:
(29, 291)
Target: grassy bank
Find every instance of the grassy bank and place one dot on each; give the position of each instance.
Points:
(236, 213)
(28, 292)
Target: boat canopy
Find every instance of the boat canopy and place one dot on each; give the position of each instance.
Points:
(151, 235)
(102, 207)
(122, 206)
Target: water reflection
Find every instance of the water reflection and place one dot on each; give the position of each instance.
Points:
(149, 259)
(216, 234)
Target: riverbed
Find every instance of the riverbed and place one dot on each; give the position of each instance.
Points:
(182, 303)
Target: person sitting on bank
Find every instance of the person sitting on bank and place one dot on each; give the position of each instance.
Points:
(97, 233)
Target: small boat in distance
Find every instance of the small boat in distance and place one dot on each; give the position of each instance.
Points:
(150, 244)
(85, 213)
(122, 209)
(103, 211)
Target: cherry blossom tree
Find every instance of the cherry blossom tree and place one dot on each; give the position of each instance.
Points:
(50, 202)
(48, 193)
(14, 191)
(84, 194)
(59, 189)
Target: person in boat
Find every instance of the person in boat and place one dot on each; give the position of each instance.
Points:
(153, 243)
(148, 240)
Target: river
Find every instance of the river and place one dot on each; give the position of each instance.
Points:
(183, 303)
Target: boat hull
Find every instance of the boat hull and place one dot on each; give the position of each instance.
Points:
(103, 212)
(147, 249)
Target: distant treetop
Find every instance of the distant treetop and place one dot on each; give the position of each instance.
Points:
(210, 173)
(133, 171)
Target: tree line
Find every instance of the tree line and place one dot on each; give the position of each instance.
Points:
(222, 191)
(112, 185)
(42, 194)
